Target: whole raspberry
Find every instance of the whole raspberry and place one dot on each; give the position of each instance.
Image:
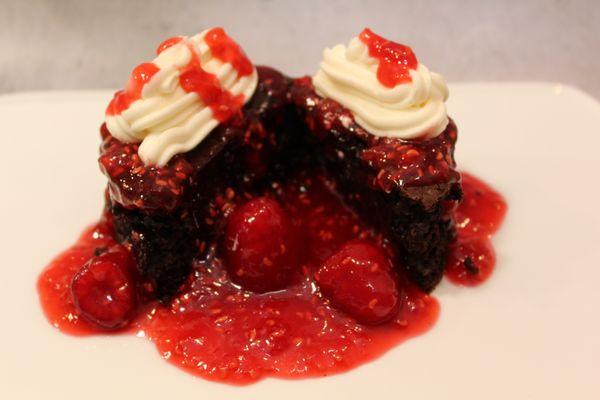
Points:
(261, 247)
(359, 280)
(104, 289)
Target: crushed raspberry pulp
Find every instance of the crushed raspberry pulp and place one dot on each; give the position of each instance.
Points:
(218, 331)
(395, 59)
(133, 90)
(193, 78)
(478, 217)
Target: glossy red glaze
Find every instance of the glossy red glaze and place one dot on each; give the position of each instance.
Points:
(396, 164)
(218, 331)
(193, 78)
(136, 185)
(395, 59)
(228, 51)
(482, 210)
(414, 163)
(133, 91)
(168, 43)
(480, 214)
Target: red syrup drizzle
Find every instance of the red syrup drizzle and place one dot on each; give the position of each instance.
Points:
(172, 41)
(217, 331)
(395, 59)
(193, 78)
(478, 217)
(225, 49)
(133, 90)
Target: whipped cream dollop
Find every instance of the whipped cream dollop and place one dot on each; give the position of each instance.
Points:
(171, 104)
(358, 77)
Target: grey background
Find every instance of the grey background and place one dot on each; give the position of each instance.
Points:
(68, 44)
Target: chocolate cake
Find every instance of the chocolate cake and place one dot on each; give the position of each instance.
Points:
(258, 225)
(406, 189)
(170, 207)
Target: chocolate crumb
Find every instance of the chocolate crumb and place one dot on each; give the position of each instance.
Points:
(470, 266)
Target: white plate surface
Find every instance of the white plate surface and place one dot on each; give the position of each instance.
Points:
(531, 332)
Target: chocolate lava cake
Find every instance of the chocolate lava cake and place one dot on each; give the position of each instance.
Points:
(406, 189)
(170, 213)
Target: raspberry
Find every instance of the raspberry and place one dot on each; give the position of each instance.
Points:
(358, 280)
(261, 247)
(104, 290)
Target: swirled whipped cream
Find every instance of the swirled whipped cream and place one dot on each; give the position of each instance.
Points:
(381, 82)
(171, 104)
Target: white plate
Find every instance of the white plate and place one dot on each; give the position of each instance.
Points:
(532, 331)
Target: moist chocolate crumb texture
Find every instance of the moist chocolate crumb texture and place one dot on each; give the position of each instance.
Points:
(200, 130)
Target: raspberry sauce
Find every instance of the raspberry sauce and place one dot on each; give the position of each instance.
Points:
(216, 330)
(478, 217)
(193, 77)
(225, 49)
(395, 59)
(133, 91)
(172, 41)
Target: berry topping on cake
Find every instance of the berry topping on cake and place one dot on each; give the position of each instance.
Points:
(172, 103)
(478, 217)
(261, 246)
(228, 51)
(358, 279)
(133, 90)
(395, 59)
(471, 261)
(104, 291)
(168, 43)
